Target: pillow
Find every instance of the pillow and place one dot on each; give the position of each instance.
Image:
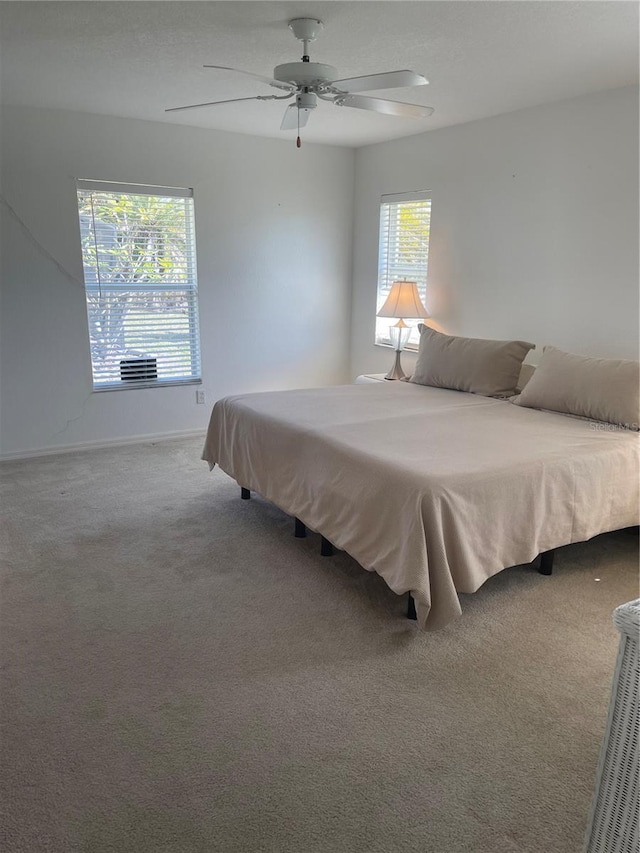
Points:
(602, 389)
(526, 372)
(490, 368)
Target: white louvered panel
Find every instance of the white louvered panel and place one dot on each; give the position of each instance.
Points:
(615, 812)
(403, 253)
(139, 257)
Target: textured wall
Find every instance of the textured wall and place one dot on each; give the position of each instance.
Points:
(274, 261)
(534, 230)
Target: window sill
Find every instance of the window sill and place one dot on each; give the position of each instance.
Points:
(408, 348)
(150, 383)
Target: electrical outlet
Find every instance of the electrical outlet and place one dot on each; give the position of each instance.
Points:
(200, 396)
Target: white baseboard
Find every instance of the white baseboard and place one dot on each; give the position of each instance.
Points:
(97, 445)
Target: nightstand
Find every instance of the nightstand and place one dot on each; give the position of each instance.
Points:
(369, 377)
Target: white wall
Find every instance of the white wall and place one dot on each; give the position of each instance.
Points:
(274, 240)
(534, 235)
(534, 227)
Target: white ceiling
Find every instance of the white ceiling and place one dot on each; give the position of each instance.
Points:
(483, 58)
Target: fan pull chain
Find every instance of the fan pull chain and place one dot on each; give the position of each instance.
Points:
(298, 142)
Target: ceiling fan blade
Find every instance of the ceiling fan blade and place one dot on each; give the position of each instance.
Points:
(387, 80)
(213, 103)
(290, 87)
(290, 118)
(380, 105)
(294, 117)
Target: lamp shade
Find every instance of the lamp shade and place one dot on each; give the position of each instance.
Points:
(403, 301)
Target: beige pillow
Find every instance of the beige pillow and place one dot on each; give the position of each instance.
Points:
(490, 368)
(526, 372)
(602, 389)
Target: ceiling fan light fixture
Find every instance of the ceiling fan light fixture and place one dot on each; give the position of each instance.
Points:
(306, 101)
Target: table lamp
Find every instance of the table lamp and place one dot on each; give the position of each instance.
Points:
(402, 302)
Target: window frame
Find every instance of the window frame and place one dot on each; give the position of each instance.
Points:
(189, 288)
(383, 262)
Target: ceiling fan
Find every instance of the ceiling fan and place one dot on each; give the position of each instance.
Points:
(309, 81)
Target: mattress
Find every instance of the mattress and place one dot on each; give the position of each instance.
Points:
(435, 490)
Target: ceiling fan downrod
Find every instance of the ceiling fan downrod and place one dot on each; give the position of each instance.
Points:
(306, 30)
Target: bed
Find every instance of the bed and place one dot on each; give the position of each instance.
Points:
(436, 490)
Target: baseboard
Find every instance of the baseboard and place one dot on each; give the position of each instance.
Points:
(97, 445)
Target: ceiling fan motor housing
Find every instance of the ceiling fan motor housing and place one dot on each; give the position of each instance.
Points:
(305, 73)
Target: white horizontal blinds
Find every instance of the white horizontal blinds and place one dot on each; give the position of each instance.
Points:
(139, 257)
(133, 189)
(403, 253)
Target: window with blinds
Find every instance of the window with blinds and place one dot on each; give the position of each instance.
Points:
(139, 259)
(403, 252)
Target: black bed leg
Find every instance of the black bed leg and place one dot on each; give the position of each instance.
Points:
(546, 562)
(301, 530)
(411, 608)
(326, 548)
(245, 494)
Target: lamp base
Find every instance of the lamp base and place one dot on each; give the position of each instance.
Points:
(396, 371)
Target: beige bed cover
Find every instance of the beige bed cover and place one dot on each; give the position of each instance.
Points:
(435, 490)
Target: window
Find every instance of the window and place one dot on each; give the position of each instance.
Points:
(403, 251)
(139, 259)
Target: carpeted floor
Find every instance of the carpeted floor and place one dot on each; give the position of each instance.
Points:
(182, 675)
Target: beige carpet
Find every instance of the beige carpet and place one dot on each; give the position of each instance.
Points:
(182, 675)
